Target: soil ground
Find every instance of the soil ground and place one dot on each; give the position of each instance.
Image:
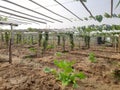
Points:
(27, 73)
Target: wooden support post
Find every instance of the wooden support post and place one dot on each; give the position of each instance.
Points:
(119, 44)
(115, 43)
(0, 39)
(10, 45)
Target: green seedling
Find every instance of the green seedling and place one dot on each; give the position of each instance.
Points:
(66, 74)
(58, 54)
(50, 46)
(92, 57)
(32, 49)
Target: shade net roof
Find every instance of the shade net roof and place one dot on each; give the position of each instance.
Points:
(50, 14)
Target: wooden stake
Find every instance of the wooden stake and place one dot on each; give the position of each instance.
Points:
(10, 46)
(119, 44)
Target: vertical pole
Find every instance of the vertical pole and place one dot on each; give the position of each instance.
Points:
(0, 39)
(115, 43)
(119, 44)
(111, 8)
(10, 45)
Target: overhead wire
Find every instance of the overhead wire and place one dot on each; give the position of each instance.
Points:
(68, 10)
(86, 8)
(18, 22)
(25, 14)
(22, 17)
(14, 19)
(23, 20)
(32, 10)
(61, 3)
(49, 10)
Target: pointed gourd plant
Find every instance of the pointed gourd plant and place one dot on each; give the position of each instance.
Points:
(99, 18)
(107, 15)
(63, 39)
(118, 15)
(71, 38)
(2, 37)
(58, 42)
(40, 38)
(71, 41)
(3, 18)
(45, 42)
(7, 35)
(18, 38)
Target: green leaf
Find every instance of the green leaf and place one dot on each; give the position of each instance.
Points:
(58, 54)
(91, 17)
(118, 15)
(32, 49)
(92, 57)
(68, 70)
(114, 15)
(99, 18)
(63, 64)
(81, 75)
(107, 15)
(75, 85)
(47, 70)
(50, 46)
(65, 83)
(72, 77)
(85, 18)
(66, 73)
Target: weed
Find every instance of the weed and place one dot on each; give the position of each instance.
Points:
(58, 54)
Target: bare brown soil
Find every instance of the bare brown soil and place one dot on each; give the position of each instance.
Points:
(27, 73)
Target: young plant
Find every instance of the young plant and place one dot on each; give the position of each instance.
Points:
(92, 57)
(66, 74)
(34, 50)
(7, 38)
(18, 38)
(50, 46)
(2, 37)
(58, 40)
(40, 38)
(58, 54)
(71, 41)
(63, 39)
(32, 40)
(45, 42)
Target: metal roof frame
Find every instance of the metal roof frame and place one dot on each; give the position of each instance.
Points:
(8, 23)
(68, 10)
(32, 10)
(22, 17)
(26, 14)
(50, 10)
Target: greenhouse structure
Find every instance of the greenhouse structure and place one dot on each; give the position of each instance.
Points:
(59, 44)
